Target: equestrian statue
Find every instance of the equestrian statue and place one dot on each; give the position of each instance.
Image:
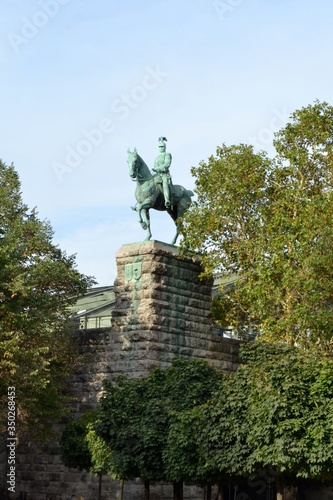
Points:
(155, 190)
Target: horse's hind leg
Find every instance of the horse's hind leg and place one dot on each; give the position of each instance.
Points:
(174, 214)
(174, 239)
(178, 212)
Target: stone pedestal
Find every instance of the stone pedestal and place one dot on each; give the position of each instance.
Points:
(162, 308)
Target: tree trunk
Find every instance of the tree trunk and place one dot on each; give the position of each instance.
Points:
(209, 492)
(178, 490)
(219, 491)
(147, 490)
(99, 495)
(121, 489)
(286, 492)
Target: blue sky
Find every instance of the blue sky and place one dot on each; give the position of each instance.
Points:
(82, 81)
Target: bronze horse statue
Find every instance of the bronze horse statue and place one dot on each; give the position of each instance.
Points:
(149, 194)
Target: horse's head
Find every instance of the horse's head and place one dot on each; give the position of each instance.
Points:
(137, 168)
(133, 163)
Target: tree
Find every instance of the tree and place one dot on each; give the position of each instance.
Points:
(183, 454)
(136, 415)
(275, 413)
(37, 284)
(269, 221)
(189, 384)
(74, 448)
(125, 408)
(82, 449)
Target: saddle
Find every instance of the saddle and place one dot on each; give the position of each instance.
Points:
(158, 180)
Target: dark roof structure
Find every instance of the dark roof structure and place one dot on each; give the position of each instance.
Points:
(94, 308)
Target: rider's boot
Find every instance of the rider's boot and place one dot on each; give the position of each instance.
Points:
(167, 199)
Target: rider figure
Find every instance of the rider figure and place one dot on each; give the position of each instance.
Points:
(161, 166)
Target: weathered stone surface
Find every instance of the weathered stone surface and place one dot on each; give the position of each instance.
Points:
(162, 310)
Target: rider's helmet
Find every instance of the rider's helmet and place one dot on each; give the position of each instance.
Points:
(161, 144)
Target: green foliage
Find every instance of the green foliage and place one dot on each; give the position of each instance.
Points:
(37, 284)
(275, 412)
(224, 430)
(190, 422)
(189, 383)
(100, 453)
(127, 409)
(73, 443)
(270, 222)
(136, 415)
(81, 448)
(183, 454)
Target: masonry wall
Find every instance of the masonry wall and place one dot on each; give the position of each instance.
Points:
(162, 310)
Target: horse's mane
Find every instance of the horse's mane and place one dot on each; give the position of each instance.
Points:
(146, 171)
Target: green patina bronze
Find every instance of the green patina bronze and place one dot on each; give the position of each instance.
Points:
(156, 190)
(161, 166)
(133, 272)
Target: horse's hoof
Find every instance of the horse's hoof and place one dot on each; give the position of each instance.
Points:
(143, 225)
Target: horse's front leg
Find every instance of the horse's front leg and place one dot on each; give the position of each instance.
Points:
(138, 209)
(145, 212)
